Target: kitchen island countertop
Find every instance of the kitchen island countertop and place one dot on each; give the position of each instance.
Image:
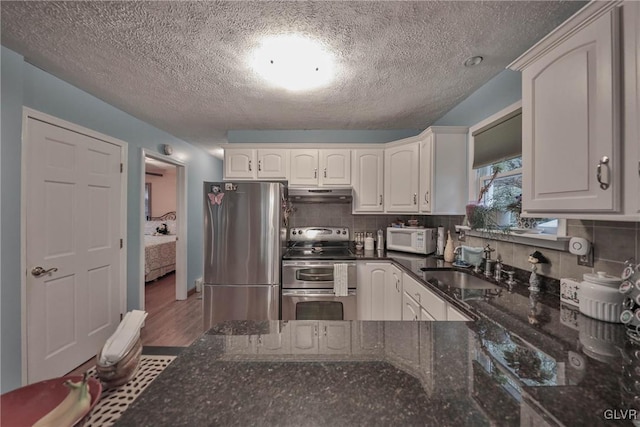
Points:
(526, 360)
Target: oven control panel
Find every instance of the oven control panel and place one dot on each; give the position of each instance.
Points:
(311, 234)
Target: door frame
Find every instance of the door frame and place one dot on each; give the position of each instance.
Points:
(181, 215)
(27, 114)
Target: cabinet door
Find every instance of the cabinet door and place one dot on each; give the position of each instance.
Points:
(570, 110)
(335, 167)
(304, 167)
(393, 294)
(426, 170)
(401, 178)
(335, 337)
(239, 163)
(425, 315)
(632, 106)
(273, 164)
(241, 344)
(410, 308)
(304, 337)
(372, 278)
(432, 303)
(368, 180)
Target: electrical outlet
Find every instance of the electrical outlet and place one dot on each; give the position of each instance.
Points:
(586, 260)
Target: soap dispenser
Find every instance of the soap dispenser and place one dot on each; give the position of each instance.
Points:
(448, 249)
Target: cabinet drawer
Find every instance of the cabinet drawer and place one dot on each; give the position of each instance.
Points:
(428, 300)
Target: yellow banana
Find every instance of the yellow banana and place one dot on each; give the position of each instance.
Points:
(71, 409)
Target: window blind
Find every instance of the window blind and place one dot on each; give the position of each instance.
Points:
(498, 141)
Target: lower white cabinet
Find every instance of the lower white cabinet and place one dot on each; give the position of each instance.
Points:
(455, 315)
(379, 291)
(434, 306)
(410, 308)
(321, 337)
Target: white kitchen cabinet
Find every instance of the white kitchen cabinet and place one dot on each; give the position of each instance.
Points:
(273, 164)
(401, 177)
(320, 167)
(379, 291)
(241, 163)
(571, 149)
(335, 167)
(304, 167)
(631, 25)
(443, 170)
(393, 294)
(368, 180)
(435, 306)
(410, 308)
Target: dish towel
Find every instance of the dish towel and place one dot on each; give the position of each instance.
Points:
(118, 345)
(472, 255)
(340, 280)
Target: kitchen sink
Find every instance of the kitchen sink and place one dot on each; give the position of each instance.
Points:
(457, 279)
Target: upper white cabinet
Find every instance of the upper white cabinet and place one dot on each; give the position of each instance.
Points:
(241, 163)
(320, 167)
(443, 170)
(367, 180)
(401, 165)
(631, 25)
(571, 109)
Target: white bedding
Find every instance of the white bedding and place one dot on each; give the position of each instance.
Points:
(159, 256)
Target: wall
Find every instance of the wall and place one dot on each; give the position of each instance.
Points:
(163, 192)
(24, 84)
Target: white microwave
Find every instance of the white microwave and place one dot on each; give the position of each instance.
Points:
(414, 240)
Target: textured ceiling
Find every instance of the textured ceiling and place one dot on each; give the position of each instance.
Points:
(182, 66)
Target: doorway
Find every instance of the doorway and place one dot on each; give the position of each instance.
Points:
(163, 240)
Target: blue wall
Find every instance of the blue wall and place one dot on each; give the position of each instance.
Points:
(498, 93)
(370, 136)
(24, 84)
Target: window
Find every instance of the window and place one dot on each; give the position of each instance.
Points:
(496, 143)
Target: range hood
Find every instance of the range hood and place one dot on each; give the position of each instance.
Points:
(320, 195)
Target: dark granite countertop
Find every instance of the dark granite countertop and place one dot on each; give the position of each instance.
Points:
(526, 360)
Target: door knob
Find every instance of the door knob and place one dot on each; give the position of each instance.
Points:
(39, 271)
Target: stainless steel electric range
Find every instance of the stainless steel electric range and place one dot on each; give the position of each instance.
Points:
(309, 267)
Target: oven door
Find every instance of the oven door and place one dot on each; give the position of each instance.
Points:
(314, 274)
(318, 305)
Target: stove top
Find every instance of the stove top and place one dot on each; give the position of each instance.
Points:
(319, 243)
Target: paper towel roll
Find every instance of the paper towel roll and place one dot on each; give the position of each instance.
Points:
(440, 241)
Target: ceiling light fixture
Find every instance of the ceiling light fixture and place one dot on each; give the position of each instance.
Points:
(293, 62)
(472, 61)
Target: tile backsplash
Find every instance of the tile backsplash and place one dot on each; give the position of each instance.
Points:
(613, 242)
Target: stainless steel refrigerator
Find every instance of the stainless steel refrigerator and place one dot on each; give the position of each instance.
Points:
(244, 238)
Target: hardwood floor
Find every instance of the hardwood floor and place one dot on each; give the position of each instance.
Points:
(170, 323)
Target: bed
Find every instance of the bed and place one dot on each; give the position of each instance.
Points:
(159, 249)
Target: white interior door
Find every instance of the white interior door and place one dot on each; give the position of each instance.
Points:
(73, 228)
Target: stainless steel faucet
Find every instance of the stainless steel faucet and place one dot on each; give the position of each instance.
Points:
(487, 260)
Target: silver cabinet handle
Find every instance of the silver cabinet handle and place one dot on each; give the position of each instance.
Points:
(315, 330)
(381, 200)
(415, 198)
(325, 172)
(426, 196)
(259, 165)
(39, 271)
(324, 328)
(397, 284)
(315, 173)
(603, 161)
(249, 165)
